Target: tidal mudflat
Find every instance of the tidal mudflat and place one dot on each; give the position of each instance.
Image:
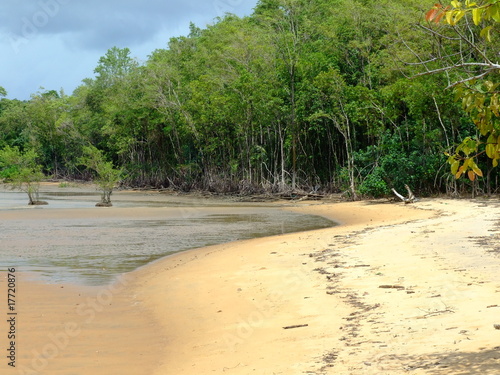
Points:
(70, 240)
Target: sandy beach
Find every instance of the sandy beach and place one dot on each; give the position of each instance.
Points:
(394, 289)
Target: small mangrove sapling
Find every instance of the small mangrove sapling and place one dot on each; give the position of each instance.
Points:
(20, 170)
(106, 175)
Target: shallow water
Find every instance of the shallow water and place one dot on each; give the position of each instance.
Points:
(93, 251)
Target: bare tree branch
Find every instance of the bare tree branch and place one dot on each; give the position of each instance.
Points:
(472, 45)
(479, 76)
(435, 33)
(463, 52)
(493, 67)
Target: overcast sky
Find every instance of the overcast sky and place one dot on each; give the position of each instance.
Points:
(55, 44)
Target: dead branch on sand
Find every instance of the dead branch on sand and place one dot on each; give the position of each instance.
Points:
(411, 197)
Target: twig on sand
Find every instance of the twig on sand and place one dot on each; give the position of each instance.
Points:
(296, 326)
(391, 286)
(231, 368)
(436, 313)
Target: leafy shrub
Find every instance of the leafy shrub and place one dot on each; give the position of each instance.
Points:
(374, 185)
(392, 165)
(8, 173)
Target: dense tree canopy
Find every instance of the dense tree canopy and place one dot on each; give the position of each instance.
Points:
(476, 85)
(301, 94)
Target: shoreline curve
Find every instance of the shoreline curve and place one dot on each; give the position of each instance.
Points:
(307, 302)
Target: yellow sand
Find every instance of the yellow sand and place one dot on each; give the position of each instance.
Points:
(395, 289)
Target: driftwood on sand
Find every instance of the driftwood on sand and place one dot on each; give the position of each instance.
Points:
(411, 197)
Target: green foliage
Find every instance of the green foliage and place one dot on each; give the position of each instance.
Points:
(21, 170)
(107, 176)
(374, 185)
(9, 172)
(113, 66)
(478, 89)
(299, 94)
(393, 164)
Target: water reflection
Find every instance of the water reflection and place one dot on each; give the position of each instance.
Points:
(93, 251)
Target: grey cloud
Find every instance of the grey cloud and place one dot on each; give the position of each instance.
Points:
(97, 24)
(57, 43)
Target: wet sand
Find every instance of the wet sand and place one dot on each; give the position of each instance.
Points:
(395, 288)
(92, 246)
